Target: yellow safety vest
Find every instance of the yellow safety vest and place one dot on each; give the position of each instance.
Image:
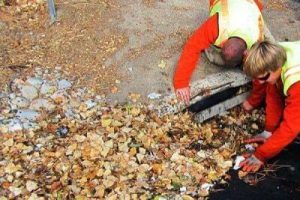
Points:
(238, 18)
(290, 72)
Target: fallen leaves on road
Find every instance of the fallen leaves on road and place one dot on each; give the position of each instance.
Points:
(130, 152)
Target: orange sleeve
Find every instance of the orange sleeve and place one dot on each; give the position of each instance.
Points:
(288, 129)
(199, 41)
(274, 106)
(211, 2)
(259, 4)
(258, 93)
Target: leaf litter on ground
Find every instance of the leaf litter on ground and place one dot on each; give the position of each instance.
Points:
(108, 151)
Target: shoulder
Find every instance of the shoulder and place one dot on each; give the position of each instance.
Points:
(294, 90)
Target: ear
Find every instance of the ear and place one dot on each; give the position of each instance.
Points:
(245, 53)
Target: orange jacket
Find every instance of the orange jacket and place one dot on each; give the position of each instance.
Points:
(205, 36)
(284, 120)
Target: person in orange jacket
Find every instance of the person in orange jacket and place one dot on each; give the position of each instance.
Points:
(232, 28)
(278, 66)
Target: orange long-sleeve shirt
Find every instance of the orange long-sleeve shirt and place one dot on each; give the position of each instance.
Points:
(288, 128)
(258, 93)
(198, 42)
(205, 36)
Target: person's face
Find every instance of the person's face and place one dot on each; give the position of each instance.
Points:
(270, 77)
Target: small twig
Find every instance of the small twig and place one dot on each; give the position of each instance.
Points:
(14, 67)
(218, 190)
(276, 167)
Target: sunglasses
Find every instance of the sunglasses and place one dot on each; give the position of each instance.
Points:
(265, 77)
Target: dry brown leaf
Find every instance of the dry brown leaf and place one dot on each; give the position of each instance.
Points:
(6, 185)
(157, 168)
(114, 89)
(55, 185)
(51, 128)
(134, 97)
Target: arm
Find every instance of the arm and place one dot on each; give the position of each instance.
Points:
(258, 93)
(274, 106)
(288, 129)
(199, 41)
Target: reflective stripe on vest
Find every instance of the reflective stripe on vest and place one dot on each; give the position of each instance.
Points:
(238, 18)
(290, 73)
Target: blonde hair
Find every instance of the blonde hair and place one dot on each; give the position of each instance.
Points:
(264, 57)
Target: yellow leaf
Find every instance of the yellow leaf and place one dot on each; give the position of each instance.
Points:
(133, 151)
(105, 122)
(105, 151)
(116, 123)
(9, 142)
(100, 191)
(80, 138)
(135, 111)
(157, 168)
(11, 168)
(109, 181)
(212, 176)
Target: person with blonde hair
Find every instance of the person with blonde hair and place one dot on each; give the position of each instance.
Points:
(277, 65)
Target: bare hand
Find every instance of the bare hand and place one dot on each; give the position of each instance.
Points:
(251, 164)
(247, 106)
(184, 94)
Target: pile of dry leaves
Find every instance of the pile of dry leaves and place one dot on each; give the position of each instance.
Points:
(120, 152)
(23, 4)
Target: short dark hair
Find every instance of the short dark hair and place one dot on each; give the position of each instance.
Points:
(233, 51)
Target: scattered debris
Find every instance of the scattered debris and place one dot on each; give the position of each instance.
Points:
(114, 89)
(62, 131)
(162, 64)
(154, 95)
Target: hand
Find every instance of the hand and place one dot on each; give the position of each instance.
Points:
(259, 138)
(184, 94)
(247, 106)
(251, 164)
